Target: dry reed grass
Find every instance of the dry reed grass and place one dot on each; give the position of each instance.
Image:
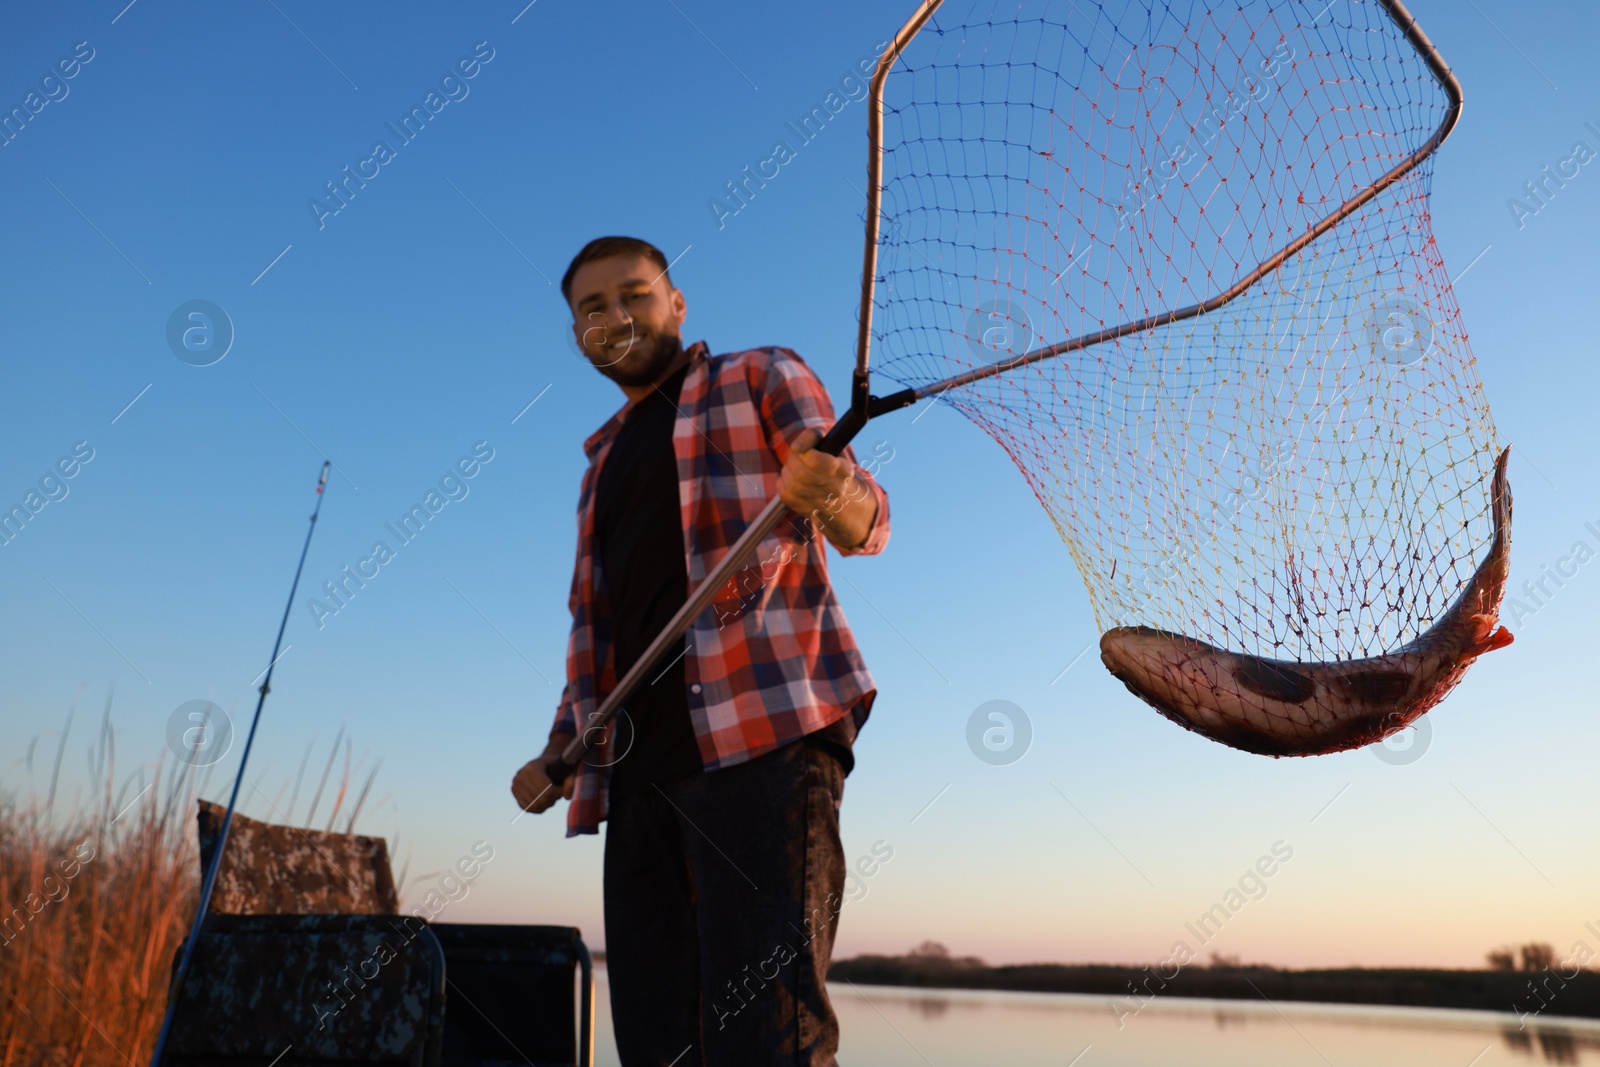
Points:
(95, 900)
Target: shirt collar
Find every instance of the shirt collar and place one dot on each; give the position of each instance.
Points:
(698, 352)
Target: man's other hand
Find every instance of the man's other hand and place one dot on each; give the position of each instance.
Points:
(532, 787)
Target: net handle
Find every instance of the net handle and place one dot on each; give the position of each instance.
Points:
(1447, 80)
(592, 734)
(869, 253)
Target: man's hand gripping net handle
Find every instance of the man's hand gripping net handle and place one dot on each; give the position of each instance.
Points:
(833, 443)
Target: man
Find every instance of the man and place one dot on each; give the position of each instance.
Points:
(721, 781)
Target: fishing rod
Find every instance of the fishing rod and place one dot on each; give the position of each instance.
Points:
(209, 882)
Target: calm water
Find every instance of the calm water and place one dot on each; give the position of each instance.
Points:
(885, 1027)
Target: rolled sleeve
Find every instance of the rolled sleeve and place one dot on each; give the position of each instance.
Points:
(578, 640)
(566, 716)
(793, 400)
(878, 537)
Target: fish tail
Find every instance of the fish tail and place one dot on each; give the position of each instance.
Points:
(1493, 636)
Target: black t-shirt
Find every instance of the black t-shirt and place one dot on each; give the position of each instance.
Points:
(639, 545)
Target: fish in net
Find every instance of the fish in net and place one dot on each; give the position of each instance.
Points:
(1176, 259)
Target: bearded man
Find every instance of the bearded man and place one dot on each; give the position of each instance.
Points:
(721, 782)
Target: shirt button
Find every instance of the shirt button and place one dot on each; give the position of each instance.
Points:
(695, 688)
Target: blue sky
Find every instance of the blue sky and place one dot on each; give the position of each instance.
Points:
(422, 319)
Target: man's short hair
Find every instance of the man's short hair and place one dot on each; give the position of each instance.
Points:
(605, 248)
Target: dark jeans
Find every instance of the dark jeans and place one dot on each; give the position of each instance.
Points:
(722, 896)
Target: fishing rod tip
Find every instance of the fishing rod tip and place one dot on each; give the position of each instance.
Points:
(323, 479)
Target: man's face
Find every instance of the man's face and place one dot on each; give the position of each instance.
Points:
(626, 318)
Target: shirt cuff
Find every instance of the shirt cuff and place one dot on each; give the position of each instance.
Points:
(566, 721)
(878, 536)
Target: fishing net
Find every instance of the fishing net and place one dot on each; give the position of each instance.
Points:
(1302, 473)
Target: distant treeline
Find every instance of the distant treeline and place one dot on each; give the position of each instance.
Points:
(1547, 993)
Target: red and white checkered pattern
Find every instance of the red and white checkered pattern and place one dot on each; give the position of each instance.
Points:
(772, 658)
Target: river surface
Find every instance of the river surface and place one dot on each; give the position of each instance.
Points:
(892, 1027)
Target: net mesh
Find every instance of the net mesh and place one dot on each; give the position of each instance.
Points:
(1301, 474)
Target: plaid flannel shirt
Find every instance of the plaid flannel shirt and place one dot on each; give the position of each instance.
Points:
(772, 658)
